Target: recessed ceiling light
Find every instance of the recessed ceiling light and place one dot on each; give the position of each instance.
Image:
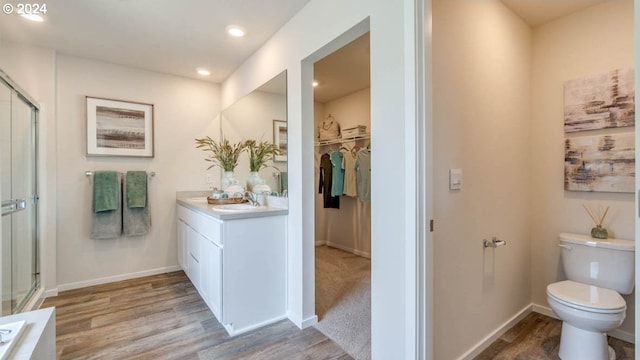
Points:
(203, 72)
(235, 31)
(314, 83)
(33, 17)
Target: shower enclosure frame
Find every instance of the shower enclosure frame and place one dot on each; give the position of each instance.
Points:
(19, 305)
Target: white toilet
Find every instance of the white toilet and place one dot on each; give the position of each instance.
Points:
(589, 302)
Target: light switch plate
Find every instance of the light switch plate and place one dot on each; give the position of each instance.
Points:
(455, 179)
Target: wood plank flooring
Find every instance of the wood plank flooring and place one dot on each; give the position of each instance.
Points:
(537, 337)
(163, 317)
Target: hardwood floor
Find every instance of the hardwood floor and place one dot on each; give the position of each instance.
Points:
(163, 317)
(537, 337)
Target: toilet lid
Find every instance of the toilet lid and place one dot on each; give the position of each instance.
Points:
(588, 297)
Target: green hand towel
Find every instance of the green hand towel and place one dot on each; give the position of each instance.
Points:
(105, 191)
(136, 189)
(284, 181)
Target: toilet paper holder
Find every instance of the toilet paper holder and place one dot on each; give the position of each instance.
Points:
(493, 243)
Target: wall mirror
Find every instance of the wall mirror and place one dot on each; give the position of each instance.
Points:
(261, 116)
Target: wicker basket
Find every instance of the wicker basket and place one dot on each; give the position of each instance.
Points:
(225, 201)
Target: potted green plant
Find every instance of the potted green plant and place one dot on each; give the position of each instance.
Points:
(260, 153)
(224, 155)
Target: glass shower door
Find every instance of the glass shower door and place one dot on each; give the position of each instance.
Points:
(19, 258)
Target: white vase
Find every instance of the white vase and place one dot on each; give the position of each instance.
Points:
(230, 184)
(257, 184)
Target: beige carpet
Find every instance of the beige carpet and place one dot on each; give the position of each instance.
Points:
(343, 300)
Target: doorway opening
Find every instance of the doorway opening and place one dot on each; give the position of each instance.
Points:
(342, 158)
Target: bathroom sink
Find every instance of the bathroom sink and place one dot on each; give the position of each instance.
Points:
(10, 337)
(198, 199)
(236, 207)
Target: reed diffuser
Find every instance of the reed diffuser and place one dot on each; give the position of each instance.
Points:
(598, 232)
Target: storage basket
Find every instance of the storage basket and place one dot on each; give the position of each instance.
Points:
(354, 131)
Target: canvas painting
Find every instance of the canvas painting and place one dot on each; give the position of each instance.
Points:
(600, 163)
(600, 101)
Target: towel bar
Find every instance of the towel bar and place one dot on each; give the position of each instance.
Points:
(90, 173)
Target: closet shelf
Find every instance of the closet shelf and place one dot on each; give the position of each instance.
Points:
(343, 140)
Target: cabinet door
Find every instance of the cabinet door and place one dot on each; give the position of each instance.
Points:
(212, 277)
(182, 245)
(193, 267)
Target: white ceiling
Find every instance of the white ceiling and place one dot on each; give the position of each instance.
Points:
(538, 12)
(176, 37)
(167, 36)
(344, 71)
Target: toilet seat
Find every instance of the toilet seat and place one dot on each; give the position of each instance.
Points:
(586, 297)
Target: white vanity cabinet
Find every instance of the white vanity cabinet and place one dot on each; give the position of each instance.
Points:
(238, 266)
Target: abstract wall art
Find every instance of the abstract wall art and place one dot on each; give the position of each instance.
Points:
(600, 101)
(119, 128)
(600, 163)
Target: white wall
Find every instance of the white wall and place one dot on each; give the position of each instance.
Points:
(33, 69)
(310, 35)
(347, 228)
(251, 118)
(593, 41)
(183, 110)
(481, 81)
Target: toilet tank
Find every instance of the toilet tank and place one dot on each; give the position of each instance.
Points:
(604, 263)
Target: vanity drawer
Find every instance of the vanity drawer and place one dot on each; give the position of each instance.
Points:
(208, 227)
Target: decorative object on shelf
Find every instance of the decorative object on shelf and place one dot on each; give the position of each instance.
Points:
(598, 232)
(119, 128)
(600, 163)
(329, 129)
(600, 101)
(280, 139)
(259, 154)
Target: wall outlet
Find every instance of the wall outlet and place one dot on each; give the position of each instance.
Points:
(209, 178)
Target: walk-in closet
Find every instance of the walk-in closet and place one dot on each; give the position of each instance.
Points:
(342, 109)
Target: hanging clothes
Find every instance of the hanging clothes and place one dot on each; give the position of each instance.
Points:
(337, 178)
(324, 187)
(349, 166)
(363, 174)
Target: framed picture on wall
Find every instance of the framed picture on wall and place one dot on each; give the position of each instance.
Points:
(280, 139)
(119, 128)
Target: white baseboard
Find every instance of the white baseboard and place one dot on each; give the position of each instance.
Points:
(343, 248)
(36, 300)
(348, 249)
(309, 322)
(233, 332)
(544, 310)
(493, 336)
(616, 333)
(302, 324)
(110, 279)
(51, 293)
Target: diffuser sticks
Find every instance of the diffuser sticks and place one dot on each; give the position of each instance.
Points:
(598, 231)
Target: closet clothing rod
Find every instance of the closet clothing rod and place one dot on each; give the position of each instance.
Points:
(344, 140)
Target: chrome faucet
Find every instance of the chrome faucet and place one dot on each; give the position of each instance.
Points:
(251, 197)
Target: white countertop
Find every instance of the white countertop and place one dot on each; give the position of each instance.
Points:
(196, 200)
